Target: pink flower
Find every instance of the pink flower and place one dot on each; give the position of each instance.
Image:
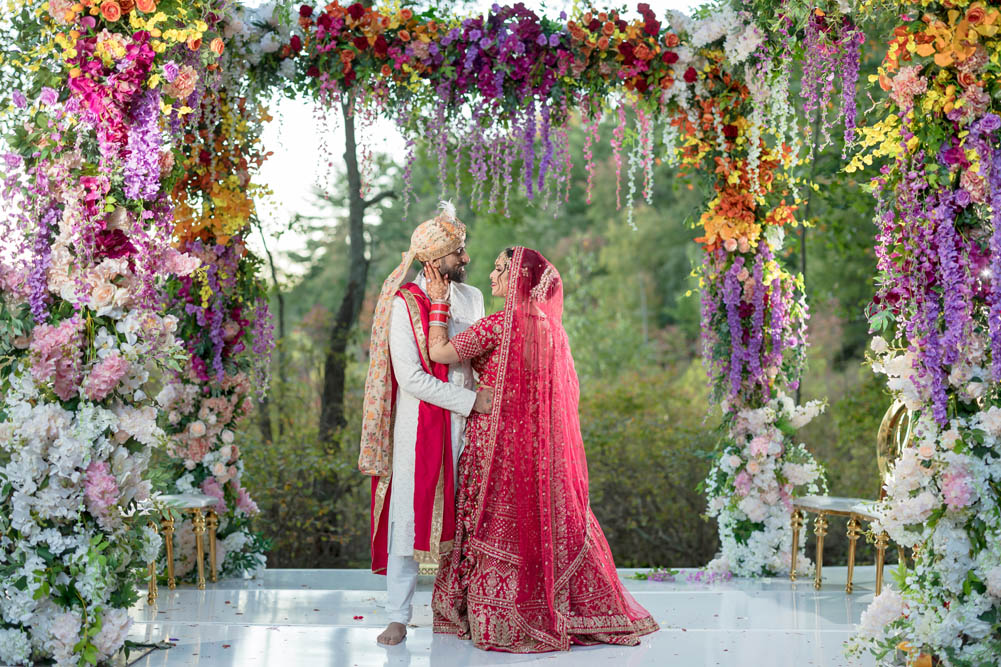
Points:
(55, 356)
(957, 487)
(244, 502)
(907, 85)
(211, 487)
(759, 445)
(100, 489)
(742, 483)
(105, 376)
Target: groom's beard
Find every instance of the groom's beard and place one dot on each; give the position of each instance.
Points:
(456, 274)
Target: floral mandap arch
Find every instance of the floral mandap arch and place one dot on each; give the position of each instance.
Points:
(131, 315)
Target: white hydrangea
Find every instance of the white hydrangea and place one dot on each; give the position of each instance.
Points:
(887, 607)
(15, 647)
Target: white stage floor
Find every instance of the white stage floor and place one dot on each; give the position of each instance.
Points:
(306, 618)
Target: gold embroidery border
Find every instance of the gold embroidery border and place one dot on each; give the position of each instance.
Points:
(505, 352)
(415, 321)
(380, 505)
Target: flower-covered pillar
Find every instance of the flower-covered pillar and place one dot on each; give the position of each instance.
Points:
(732, 119)
(87, 248)
(221, 308)
(937, 314)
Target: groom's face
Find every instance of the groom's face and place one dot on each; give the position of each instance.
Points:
(453, 266)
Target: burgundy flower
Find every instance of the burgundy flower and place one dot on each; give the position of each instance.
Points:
(690, 75)
(669, 57)
(305, 11)
(295, 44)
(381, 46)
(652, 28)
(361, 43)
(594, 25)
(356, 11)
(113, 244)
(730, 131)
(313, 71)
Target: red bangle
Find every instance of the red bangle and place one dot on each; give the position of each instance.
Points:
(437, 317)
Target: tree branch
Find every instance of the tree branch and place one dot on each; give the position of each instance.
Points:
(379, 197)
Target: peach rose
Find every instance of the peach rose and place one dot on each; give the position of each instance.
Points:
(195, 43)
(102, 295)
(196, 429)
(217, 46)
(753, 467)
(62, 11)
(146, 6)
(111, 10)
(671, 40)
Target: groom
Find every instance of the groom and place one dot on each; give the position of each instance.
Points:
(414, 416)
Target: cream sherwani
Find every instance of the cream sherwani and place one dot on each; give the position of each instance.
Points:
(415, 385)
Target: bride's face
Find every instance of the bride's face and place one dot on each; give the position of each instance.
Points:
(499, 276)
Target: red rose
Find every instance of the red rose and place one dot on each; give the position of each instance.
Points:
(356, 11)
(361, 43)
(690, 75)
(295, 44)
(305, 11)
(669, 57)
(594, 25)
(349, 77)
(313, 71)
(652, 28)
(621, 25)
(730, 131)
(641, 85)
(381, 46)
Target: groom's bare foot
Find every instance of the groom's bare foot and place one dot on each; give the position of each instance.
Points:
(393, 634)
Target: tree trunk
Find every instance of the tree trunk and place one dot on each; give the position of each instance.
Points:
(332, 402)
(264, 411)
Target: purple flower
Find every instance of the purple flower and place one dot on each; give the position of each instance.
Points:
(541, 40)
(554, 40)
(20, 101)
(142, 169)
(989, 123)
(48, 96)
(485, 43)
(963, 198)
(475, 35)
(170, 71)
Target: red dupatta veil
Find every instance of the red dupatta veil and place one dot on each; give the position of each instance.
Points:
(537, 465)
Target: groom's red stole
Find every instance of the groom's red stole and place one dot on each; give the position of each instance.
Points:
(434, 493)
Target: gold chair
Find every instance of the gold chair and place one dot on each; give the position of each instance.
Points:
(207, 522)
(894, 432)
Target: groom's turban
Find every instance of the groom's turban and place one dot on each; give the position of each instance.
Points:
(433, 239)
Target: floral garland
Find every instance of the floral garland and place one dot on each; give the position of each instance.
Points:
(938, 305)
(86, 255)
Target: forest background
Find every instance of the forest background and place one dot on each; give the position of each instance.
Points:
(632, 314)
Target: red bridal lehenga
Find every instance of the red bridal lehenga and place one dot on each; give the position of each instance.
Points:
(530, 570)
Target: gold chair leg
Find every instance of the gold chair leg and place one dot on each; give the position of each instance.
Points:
(881, 541)
(153, 593)
(820, 529)
(213, 524)
(901, 556)
(199, 522)
(797, 522)
(854, 530)
(168, 541)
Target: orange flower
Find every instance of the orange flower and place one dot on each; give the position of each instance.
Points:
(671, 40)
(976, 14)
(387, 71)
(146, 6)
(642, 52)
(217, 46)
(967, 79)
(404, 36)
(406, 14)
(666, 82)
(347, 55)
(608, 28)
(602, 42)
(111, 10)
(603, 16)
(194, 43)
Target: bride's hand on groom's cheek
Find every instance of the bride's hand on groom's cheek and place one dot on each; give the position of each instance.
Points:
(437, 284)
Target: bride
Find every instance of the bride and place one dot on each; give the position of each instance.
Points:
(530, 569)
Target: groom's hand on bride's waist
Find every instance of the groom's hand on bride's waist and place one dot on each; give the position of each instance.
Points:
(484, 401)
